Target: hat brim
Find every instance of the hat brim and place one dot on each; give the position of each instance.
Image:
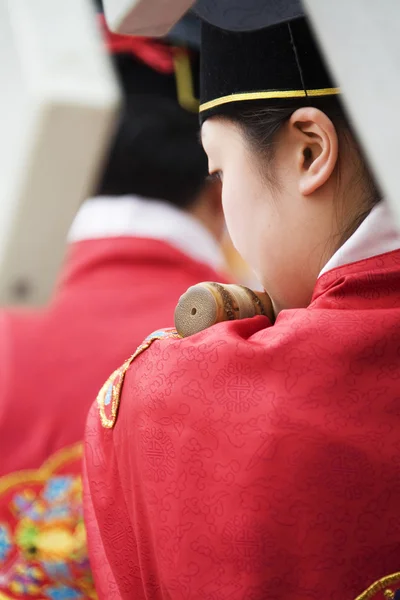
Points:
(247, 15)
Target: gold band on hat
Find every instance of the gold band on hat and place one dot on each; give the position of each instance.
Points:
(275, 94)
(184, 80)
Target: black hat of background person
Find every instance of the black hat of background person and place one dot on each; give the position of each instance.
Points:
(155, 153)
(277, 63)
(164, 68)
(247, 15)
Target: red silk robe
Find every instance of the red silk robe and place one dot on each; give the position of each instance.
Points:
(52, 362)
(256, 462)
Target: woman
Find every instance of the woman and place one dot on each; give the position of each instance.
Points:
(259, 459)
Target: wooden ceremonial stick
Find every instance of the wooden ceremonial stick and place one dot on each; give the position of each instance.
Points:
(208, 303)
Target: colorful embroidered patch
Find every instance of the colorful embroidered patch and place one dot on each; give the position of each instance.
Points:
(387, 588)
(43, 551)
(109, 396)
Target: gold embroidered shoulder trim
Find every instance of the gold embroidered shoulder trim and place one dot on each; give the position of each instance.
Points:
(386, 587)
(109, 396)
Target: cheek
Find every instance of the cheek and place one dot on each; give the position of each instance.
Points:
(233, 203)
(232, 209)
(239, 202)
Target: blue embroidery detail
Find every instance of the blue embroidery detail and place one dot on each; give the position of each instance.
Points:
(397, 595)
(108, 397)
(28, 506)
(56, 488)
(5, 542)
(161, 333)
(57, 570)
(25, 504)
(62, 593)
(60, 512)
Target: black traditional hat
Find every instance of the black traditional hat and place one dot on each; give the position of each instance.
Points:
(279, 62)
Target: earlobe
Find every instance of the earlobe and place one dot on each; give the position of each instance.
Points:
(319, 148)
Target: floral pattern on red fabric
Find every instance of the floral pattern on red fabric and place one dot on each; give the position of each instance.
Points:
(43, 551)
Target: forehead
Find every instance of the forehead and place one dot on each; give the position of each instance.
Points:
(206, 131)
(224, 141)
(218, 130)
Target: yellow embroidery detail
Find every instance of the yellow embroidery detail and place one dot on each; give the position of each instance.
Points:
(71, 453)
(267, 96)
(379, 586)
(110, 392)
(108, 388)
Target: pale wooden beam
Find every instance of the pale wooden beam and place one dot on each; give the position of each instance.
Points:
(58, 102)
(144, 17)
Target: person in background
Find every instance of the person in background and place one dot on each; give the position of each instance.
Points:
(259, 459)
(151, 231)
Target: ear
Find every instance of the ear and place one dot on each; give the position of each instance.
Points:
(318, 146)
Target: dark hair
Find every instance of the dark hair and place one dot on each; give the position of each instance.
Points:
(156, 151)
(260, 123)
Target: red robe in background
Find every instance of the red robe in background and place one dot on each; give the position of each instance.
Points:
(259, 462)
(52, 364)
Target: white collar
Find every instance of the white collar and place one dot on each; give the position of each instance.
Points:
(106, 217)
(376, 235)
